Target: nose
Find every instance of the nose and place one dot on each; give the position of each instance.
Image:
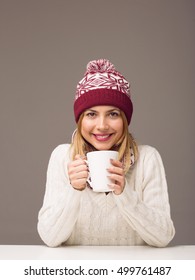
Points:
(102, 124)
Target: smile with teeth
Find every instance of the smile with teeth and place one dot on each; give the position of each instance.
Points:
(102, 137)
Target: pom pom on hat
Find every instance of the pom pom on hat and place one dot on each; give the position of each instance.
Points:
(103, 85)
(101, 65)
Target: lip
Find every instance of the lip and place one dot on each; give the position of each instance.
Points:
(103, 137)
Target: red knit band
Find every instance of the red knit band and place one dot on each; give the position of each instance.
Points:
(103, 96)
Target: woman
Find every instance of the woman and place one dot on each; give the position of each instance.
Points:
(136, 211)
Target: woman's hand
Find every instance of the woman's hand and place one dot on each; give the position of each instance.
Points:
(117, 177)
(78, 173)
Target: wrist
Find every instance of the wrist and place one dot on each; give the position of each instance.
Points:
(78, 188)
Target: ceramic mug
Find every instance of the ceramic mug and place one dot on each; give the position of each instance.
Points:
(98, 162)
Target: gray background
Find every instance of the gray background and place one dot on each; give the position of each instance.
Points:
(45, 46)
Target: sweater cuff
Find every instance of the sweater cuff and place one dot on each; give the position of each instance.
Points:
(67, 196)
(127, 198)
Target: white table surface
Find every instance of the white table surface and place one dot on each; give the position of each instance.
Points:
(41, 252)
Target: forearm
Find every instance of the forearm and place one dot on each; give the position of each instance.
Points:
(57, 217)
(153, 224)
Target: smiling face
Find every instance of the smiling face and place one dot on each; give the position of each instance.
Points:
(102, 126)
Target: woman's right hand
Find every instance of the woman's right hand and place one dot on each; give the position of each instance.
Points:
(78, 173)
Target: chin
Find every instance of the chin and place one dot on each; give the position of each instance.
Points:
(101, 147)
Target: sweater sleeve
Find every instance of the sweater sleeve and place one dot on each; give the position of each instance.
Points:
(60, 207)
(148, 211)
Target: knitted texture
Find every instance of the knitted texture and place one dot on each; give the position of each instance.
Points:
(103, 85)
(139, 216)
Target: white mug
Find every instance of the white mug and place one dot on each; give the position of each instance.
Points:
(98, 162)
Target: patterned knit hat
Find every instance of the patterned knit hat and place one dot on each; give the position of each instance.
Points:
(103, 85)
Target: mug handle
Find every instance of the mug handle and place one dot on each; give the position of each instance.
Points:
(89, 177)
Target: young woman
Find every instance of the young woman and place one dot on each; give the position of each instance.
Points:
(137, 210)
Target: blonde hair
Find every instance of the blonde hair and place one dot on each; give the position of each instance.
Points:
(124, 146)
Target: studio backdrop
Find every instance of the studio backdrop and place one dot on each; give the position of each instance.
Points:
(45, 46)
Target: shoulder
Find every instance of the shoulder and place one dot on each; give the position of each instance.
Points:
(146, 149)
(146, 152)
(61, 151)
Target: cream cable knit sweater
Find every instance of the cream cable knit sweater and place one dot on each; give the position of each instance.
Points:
(139, 216)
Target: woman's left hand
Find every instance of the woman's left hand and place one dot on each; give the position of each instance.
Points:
(117, 176)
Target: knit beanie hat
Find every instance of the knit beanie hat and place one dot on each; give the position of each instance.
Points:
(103, 85)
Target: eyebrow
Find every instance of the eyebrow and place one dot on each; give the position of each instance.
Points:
(114, 109)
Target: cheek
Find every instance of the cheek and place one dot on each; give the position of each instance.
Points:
(85, 126)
